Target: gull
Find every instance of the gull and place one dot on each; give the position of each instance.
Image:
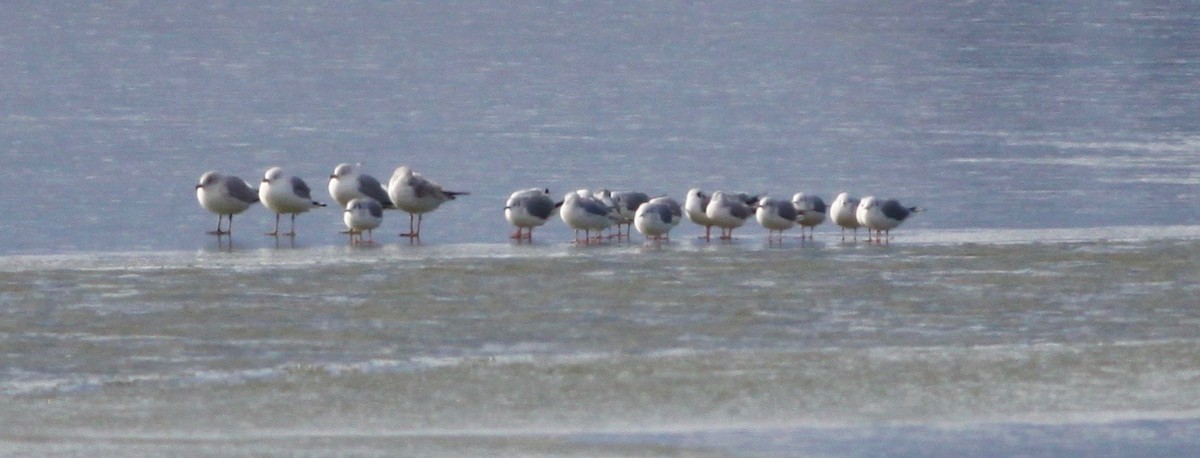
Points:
(224, 195)
(882, 216)
(842, 212)
(729, 211)
(285, 194)
(775, 215)
(624, 205)
(584, 212)
(416, 195)
(810, 212)
(362, 214)
(694, 205)
(528, 209)
(347, 183)
(655, 218)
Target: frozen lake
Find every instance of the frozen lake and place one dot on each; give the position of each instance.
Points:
(1044, 303)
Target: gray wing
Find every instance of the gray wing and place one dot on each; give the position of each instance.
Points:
(739, 210)
(375, 208)
(370, 187)
(787, 211)
(746, 198)
(300, 188)
(675, 208)
(423, 187)
(594, 207)
(240, 190)
(818, 205)
(539, 206)
(633, 199)
(892, 209)
(665, 213)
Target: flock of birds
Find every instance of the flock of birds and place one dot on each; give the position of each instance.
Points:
(364, 200)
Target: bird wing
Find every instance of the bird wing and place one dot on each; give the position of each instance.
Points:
(300, 188)
(375, 208)
(370, 187)
(539, 206)
(892, 209)
(241, 191)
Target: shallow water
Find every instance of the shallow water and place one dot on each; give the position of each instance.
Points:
(742, 348)
(1044, 303)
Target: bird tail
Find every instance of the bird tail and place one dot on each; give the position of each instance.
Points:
(915, 209)
(454, 194)
(319, 204)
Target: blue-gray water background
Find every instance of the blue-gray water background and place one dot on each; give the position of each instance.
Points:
(1049, 288)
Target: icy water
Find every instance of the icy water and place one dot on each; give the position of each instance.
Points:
(1078, 347)
(1043, 304)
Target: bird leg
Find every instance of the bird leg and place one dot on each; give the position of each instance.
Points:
(276, 231)
(291, 233)
(219, 231)
(413, 231)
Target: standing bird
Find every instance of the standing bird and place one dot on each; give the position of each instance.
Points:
(810, 212)
(625, 205)
(362, 214)
(415, 195)
(842, 212)
(729, 211)
(656, 218)
(775, 215)
(584, 212)
(347, 184)
(224, 195)
(528, 209)
(695, 204)
(882, 216)
(285, 194)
